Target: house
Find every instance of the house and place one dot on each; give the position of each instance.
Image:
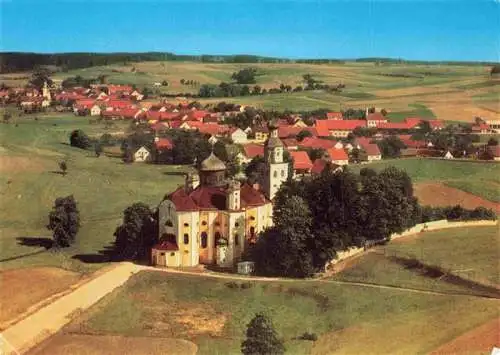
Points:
(238, 136)
(374, 119)
(320, 165)
(292, 132)
(95, 110)
(448, 155)
(337, 128)
(251, 151)
(482, 128)
(302, 164)
(142, 155)
(338, 156)
(318, 143)
(494, 152)
(261, 133)
(372, 152)
(212, 221)
(334, 116)
(291, 143)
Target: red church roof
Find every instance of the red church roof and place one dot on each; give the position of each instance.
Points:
(252, 150)
(213, 198)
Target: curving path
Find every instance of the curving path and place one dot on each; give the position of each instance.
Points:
(36, 327)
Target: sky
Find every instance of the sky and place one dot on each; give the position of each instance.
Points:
(414, 30)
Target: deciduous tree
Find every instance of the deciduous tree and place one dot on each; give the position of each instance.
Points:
(64, 221)
(261, 338)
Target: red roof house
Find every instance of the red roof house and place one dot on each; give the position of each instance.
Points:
(339, 128)
(317, 143)
(252, 150)
(301, 162)
(338, 156)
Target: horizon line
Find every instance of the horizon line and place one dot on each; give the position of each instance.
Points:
(254, 55)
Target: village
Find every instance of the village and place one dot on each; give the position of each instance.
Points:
(326, 139)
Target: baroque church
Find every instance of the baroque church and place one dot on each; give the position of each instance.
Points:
(211, 220)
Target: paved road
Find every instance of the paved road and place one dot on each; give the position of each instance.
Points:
(50, 319)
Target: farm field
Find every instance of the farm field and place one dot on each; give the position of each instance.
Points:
(449, 92)
(475, 257)
(213, 315)
(27, 286)
(103, 188)
(479, 179)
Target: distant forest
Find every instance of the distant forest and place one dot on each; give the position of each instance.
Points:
(19, 61)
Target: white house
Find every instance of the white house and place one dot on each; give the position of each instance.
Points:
(448, 155)
(238, 136)
(142, 155)
(95, 110)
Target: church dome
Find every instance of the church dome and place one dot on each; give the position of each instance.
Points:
(212, 163)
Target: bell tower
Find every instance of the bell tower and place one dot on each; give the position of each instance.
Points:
(276, 168)
(46, 92)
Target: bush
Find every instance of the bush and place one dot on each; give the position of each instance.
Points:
(456, 213)
(79, 139)
(309, 336)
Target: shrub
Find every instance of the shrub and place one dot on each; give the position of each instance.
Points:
(309, 336)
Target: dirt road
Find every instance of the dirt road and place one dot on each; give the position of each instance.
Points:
(48, 320)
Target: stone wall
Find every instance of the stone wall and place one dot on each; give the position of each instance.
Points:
(423, 227)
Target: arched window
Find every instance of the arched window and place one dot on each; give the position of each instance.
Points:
(204, 240)
(204, 223)
(169, 223)
(186, 238)
(275, 174)
(217, 236)
(236, 224)
(282, 173)
(186, 224)
(236, 239)
(217, 224)
(252, 218)
(252, 231)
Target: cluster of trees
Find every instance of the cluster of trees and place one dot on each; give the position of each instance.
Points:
(390, 147)
(345, 209)
(262, 338)
(245, 76)
(79, 139)
(15, 61)
(456, 213)
(314, 84)
(83, 82)
(189, 82)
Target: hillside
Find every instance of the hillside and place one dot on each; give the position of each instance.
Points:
(449, 92)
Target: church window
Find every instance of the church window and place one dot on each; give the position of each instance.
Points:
(252, 218)
(275, 174)
(252, 232)
(186, 238)
(282, 173)
(204, 223)
(162, 254)
(172, 254)
(204, 240)
(236, 239)
(236, 224)
(217, 224)
(169, 223)
(186, 224)
(217, 236)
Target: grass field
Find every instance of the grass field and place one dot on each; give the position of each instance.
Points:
(348, 319)
(475, 257)
(103, 188)
(448, 92)
(481, 179)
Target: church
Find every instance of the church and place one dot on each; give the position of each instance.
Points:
(211, 220)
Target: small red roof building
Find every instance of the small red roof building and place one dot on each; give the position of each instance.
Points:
(252, 150)
(317, 143)
(335, 115)
(301, 161)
